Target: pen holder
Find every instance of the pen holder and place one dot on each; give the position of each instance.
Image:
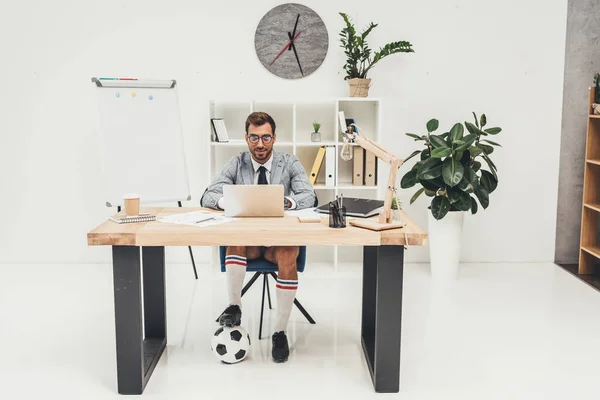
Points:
(337, 217)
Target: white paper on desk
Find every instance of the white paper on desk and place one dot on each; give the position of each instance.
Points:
(307, 212)
(306, 215)
(196, 218)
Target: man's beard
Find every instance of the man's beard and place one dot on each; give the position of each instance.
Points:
(264, 155)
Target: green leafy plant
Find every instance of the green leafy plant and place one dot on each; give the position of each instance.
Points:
(359, 57)
(396, 204)
(316, 126)
(450, 167)
(597, 92)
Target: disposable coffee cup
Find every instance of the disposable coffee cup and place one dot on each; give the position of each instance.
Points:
(132, 204)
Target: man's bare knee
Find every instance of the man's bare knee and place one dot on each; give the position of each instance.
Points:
(237, 251)
(286, 254)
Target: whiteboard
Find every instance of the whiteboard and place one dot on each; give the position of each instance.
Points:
(141, 141)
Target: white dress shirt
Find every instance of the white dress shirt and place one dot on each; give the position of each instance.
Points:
(256, 165)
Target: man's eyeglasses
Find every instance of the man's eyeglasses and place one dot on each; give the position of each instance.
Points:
(266, 139)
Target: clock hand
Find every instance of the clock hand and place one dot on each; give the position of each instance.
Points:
(296, 54)
(293, 33)
(286, 46)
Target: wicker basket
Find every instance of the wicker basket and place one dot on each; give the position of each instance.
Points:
(359, 87)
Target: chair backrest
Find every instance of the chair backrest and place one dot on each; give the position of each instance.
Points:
(262, 265)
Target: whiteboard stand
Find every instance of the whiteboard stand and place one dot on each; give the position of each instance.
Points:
(141, 141)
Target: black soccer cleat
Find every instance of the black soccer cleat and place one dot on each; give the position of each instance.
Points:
(232, 316)
(281, 350)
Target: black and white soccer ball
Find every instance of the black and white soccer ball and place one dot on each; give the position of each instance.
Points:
(230, 344)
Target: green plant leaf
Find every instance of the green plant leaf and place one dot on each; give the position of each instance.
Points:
(483, 121)
(416, 195)
(417, 165)
(416, 137)
(439, 207)
(456, 133)
(475, 118)
(431, 173)
(432, 184)
(430, 169)
(476, 166)
(470, 175)
(473, 206)
(430, 193)
(482, 196)
(453, 194)
(463, 202)
(492, 143)
(493, 131)
(475, 151)
(425, 154)
(468, 141)
(432, 125)
(452, 172)
(409, 179)
(465, 158)
(491, 165)
(465, 185)
(414, 153)
(438, 142)
(486, 149)
(488, 181)
(474, 130)
(441, 152)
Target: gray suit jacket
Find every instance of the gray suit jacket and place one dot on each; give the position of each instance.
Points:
(286, 170)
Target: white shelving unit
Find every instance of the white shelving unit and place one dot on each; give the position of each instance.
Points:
(293, 129)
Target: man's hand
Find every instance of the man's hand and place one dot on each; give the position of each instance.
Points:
(287, 204)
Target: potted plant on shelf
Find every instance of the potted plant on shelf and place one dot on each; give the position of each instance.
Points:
(315, 136)
(396, 206)
(450, 171)
(359, 57)
(596, 103)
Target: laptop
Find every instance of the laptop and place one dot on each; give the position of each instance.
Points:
(253, 200)
(356, 207)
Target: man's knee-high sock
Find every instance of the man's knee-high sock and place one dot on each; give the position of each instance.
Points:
(286, 293)
(235, 269)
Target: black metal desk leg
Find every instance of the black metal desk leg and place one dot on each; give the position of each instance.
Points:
(383, 268)
(137, 356)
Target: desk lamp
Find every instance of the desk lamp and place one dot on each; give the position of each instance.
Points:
(384, 221)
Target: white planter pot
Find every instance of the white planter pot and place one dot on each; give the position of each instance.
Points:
(444, 245)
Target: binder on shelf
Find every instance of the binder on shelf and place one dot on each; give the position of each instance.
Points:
(220, 130)
(314, 172)
(358, 169)
(370, 169)
(330, 165)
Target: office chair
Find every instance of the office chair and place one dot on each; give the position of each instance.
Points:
(261, 266)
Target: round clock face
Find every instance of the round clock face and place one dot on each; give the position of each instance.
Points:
(291, 41)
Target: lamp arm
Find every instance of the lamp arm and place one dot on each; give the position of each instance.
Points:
(385, 217)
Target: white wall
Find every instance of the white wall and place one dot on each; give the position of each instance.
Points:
(504, 58)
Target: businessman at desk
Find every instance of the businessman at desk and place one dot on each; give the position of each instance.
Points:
(262, 165)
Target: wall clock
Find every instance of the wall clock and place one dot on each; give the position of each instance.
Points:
(291, 41)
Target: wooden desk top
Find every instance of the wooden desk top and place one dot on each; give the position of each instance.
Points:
(248, 232)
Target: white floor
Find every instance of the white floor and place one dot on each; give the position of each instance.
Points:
(527, 331)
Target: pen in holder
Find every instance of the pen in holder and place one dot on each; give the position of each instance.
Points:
(337, 216)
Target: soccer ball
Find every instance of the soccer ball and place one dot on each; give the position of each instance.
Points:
(230, 344)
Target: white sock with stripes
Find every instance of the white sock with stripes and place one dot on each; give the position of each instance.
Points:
(235, 269)
(286, 293)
